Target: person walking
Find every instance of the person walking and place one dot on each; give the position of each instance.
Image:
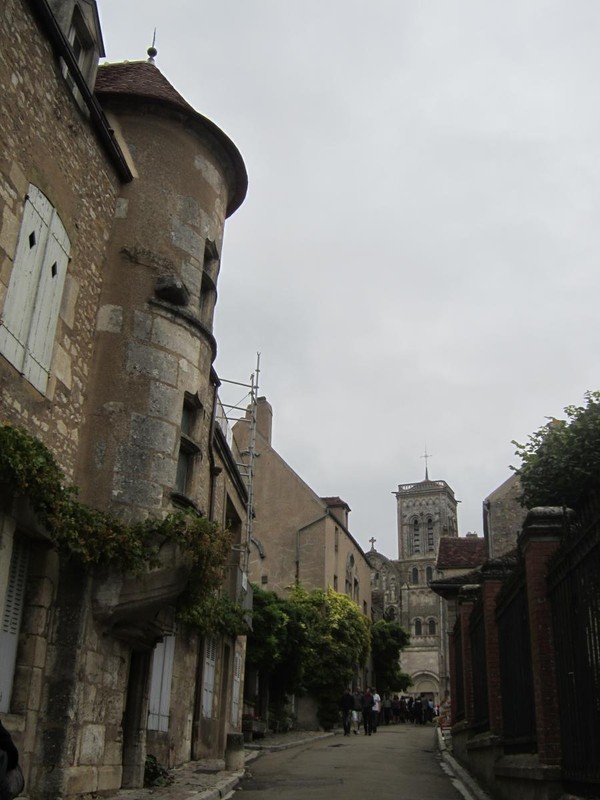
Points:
(347, 705)
(357, 710)
(376, 710)
(367, 711)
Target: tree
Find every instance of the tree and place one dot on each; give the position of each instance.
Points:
(310, 642)
(388, 639)
(561, 461)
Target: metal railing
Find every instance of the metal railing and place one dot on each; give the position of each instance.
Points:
(516, 675)
(574, 592)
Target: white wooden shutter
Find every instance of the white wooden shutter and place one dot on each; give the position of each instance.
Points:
(159, 706)
(11, 619)
(235, 696)
(20, 297)
(32, 302)
(40, 343)
(208, 677)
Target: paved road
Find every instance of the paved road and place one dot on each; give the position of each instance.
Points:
(399, 762)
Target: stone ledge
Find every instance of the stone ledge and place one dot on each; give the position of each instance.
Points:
(526, 767)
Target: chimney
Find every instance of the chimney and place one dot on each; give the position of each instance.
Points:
(264, 418)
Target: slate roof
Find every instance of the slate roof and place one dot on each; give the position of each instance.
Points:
(461, 553)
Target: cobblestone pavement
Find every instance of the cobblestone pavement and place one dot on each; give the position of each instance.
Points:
(208, 779)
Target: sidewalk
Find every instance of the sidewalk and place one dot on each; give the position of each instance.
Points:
(208, 779)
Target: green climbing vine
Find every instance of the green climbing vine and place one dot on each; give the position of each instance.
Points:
(29, 469)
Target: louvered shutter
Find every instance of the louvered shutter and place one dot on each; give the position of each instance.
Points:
(159, 705)
(208, 677)
(11, 619)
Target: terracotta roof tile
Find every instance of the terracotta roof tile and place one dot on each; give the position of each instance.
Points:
(461, 553)
(138, 78)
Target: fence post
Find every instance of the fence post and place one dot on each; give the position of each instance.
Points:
(541, 536)
(493, 575)
(466, 601)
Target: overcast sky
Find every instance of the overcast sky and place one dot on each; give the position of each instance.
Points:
(417, 256)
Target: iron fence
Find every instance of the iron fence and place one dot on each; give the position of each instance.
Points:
(458, 700)
(574, 591)
(479, 668)
(516, 675)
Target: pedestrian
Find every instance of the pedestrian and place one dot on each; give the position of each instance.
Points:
(367, 711)
(11, 776)
(357, 710)
(347, 704)
(396, 709)
(376, 709)
(387, 709)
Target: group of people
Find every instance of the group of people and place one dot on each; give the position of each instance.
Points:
(361, 708)
(367, 709)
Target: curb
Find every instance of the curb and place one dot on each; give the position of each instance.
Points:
(296, 743)
(222, 789)
(462, 780)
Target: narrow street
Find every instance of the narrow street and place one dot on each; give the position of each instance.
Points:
(399, 762)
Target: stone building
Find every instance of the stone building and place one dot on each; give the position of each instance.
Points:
(427, 517)
(503, 517)
(298, 536)
(114, 193)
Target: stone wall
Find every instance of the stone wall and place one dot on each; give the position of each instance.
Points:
(49, 142)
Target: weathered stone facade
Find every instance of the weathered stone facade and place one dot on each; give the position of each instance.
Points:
(127, 409)
(426, 513)
(299, 537)
(503, 517)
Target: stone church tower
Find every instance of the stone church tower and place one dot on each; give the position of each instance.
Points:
(426, 512)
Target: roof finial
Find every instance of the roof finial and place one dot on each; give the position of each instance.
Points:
(372, 540)
(426, 456)
(152, 51)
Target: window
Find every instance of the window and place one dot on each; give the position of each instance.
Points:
(32, 302)
(430, 537)
(188, 449)
(416, 537)
(208, 289)
(11, 619)
(415, 576)
(335, 583)
(431, 627)
(429, 574)
(159, 704)
(418, 627)
(208, 677)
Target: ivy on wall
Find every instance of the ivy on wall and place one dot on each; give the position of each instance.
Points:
(28, 469)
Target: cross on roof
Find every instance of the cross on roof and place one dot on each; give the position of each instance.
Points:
(372, 540)
(426, 456)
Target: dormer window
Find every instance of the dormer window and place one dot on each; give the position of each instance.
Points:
(80, 24)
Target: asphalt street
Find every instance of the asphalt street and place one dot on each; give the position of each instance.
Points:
(400, 762)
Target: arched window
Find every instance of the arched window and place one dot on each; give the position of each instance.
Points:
(431, 627)
(416, 537)
(429, 573)
(418, 627)
(414, 576)
(430, 539)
